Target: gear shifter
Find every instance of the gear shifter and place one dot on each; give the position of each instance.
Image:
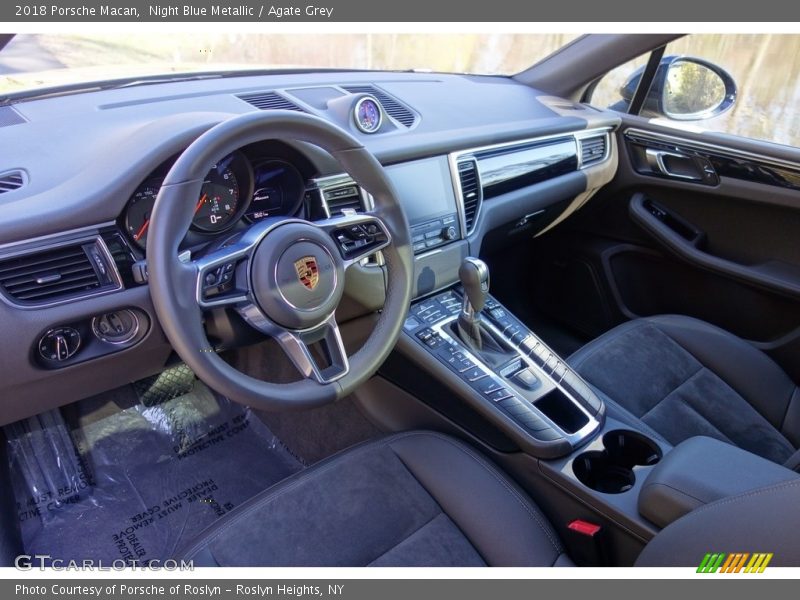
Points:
(474, 276)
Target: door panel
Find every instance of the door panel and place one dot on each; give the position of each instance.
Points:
(702, 224)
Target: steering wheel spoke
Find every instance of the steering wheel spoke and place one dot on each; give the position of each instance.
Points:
(222, 276)
(356, 235)
(297, 346)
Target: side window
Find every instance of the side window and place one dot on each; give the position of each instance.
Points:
(764, 67)
(610, 92)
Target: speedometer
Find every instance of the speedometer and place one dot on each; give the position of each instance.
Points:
(140, 207)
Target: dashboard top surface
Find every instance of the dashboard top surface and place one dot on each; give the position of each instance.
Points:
(86, 154)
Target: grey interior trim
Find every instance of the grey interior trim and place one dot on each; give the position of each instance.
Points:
(776, 277)
(589, 133)
(712, 147)
(36, 241)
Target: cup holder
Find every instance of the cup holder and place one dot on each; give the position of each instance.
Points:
(630, 449)
(610, 471)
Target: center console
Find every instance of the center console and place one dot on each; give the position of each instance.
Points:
(511, 377)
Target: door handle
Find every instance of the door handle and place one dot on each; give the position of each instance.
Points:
(657, 160)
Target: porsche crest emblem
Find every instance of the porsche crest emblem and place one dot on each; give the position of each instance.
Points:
(307, 271)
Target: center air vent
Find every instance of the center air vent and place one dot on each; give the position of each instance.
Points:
(12, 180)
(471, 193)
(57, 273)
(342, 198)
(393, 108)
(269, 101)
(593, 149)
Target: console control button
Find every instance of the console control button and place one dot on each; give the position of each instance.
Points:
(497, 313)
(411, 323)
(474, 374)
(354, 239)
(430, 338)
(526, 379)
(219, 281)
(464, 365)
(504, 395)
(488, 385)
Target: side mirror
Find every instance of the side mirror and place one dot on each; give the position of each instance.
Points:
(684, 89)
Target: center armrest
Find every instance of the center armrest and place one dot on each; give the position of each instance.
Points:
(702, 470)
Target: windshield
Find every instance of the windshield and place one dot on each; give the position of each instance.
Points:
(34, 61)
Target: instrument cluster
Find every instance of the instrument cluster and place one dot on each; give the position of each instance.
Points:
(236, 190)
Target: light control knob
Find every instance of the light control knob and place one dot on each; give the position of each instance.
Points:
(59, 344)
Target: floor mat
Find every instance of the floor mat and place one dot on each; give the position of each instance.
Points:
(140, 483)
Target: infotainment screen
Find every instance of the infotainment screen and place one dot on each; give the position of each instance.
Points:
(425, 188)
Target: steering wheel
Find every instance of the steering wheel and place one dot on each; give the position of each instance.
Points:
(285, 277)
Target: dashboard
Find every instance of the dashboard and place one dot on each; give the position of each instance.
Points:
(89, 166)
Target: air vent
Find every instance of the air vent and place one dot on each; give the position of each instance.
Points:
(56, 274)
(342, 198)
(471, 192)
(269, 101)
(392, 107)
(12, 180)
(593, 149)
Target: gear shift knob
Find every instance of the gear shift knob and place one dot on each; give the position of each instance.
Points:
(474, 276)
